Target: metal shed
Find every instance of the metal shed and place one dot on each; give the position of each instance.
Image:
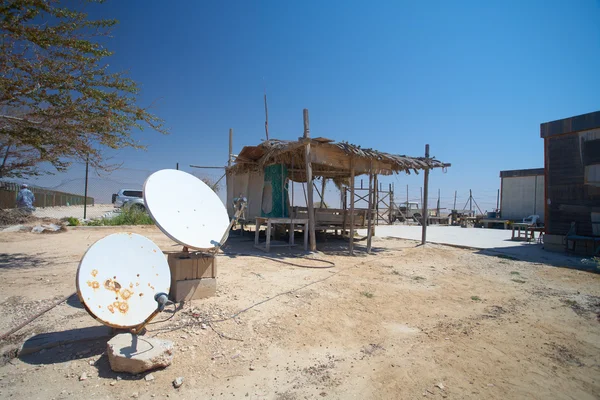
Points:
(522, 193)
(572, 175)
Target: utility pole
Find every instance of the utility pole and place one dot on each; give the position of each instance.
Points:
(470, 200)
(87, 162)
(454, 200)
(425, 217)
(498, 199)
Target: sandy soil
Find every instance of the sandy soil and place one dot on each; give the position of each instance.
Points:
(95, 211)
(406, 322)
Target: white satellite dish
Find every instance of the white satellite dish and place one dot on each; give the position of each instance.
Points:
(186, 209)
(119, 277)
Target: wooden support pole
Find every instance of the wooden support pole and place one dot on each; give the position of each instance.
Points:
(454, 200)
(230, 147)
(425, 215)
(352, 190)
(345, 209)
(370, 209)
(406, 216)
(309, 184)
(324, 180)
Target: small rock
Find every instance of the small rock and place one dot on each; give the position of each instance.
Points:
(91, 362)
(135, 395)
(119, 378)
(252, 368)
(178, 382)
(83, 377)
(296, 315)
(149, 378)
(440, 385)
(113, 383)
(203, 326)
(297, 296)
(490, 384)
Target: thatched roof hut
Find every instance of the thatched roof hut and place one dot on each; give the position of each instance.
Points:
(329, 159)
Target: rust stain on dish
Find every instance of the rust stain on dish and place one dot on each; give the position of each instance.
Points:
(94, 272)
(111, 308)
(93, 284)
(126, 294)
(122, 306)
(112, 285)
(141, 294)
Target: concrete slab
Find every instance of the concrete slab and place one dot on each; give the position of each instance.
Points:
(489, 241)
(479, 238)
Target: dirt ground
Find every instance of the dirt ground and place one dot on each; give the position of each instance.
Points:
(406, 322)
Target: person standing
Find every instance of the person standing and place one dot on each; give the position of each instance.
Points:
(25, 199)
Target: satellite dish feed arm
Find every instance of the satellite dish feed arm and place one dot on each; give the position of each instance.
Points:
(162, 299)
(240, 204)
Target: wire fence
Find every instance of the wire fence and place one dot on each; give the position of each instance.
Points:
(70, 194)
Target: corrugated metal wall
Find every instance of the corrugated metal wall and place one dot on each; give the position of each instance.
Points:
(573, 195)
(523, 196)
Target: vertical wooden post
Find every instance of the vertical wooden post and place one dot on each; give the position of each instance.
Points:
(351, 245)
(266, 116)
(177, 166)
(344, 209)
(421, 198)
(230, 147)
(437, 213)
(375, 204)
(454, 200)
(309, 184)
(322, 191)
(425, 218)
(406, 216)
(370, 209)
(391, 206)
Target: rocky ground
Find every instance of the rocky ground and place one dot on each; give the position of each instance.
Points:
(404, 322)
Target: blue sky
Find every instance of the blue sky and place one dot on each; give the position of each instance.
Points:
(473, 79)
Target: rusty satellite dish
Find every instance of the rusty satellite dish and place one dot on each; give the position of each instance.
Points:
(186, 209)
(121, 278)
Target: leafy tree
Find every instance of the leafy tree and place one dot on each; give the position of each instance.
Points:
(58, 99)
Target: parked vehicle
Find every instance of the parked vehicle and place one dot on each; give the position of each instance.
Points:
(402, 212)
(129, 198)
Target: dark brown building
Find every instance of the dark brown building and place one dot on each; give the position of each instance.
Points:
(572, 176)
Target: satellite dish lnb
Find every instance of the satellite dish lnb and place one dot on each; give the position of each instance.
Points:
(186, 209)
(123, 280)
